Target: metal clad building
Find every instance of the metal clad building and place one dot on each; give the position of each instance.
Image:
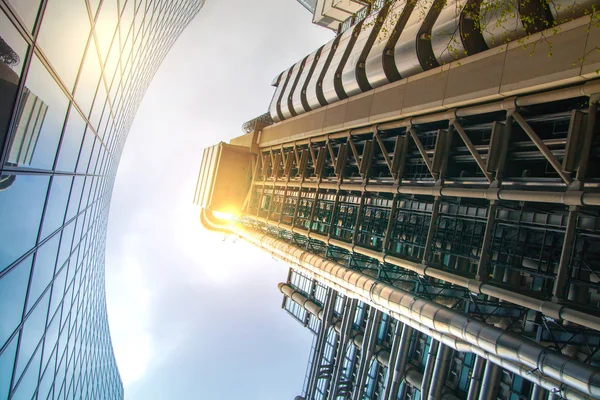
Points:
(442, 229)
(72, 75)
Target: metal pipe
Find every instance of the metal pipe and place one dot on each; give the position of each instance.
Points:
(571, 197)
(491, 382)
(476, 378)
(401, 360)
(453, 328)
(414, 378)
(387, 387)
(539, 393)
(548, 308)
(440, 372)
(429, 365)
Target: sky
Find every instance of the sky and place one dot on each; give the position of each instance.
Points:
(194, 314)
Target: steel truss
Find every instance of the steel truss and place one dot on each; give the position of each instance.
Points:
(490, 212)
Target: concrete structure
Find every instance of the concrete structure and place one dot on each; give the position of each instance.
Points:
(442, 227)
(333, 14)
(72, 74)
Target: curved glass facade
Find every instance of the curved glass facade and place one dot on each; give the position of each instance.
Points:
(72, 75)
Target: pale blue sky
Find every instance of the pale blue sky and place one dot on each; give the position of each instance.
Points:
(194, 316)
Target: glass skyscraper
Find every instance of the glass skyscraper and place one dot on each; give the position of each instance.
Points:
(72, 75)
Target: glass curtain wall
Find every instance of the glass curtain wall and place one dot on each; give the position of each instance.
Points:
(72, 74)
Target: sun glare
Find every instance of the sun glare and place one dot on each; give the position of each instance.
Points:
(224, 216)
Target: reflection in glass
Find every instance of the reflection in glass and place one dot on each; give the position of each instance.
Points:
(12, 299)
(21, 208)
(30, 118)
(52, 272)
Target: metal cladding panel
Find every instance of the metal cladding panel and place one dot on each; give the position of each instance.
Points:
(329, 92)
(314, 86)
(500, 23)
(374, 67)
(446, 38)
(277, 96)
(349, 78)
(287, 92)
(299, 95)
(405, 52)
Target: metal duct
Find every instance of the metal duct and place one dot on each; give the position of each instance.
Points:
(476, 378)
(450, 327)
(491, 382)
(549, 308)
(301, 299)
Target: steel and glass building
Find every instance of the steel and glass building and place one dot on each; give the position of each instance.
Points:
(435, 190)
(72, 75)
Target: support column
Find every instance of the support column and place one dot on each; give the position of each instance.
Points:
(429, 365)
(368, 345)
(539, 393)
(491, 382)
(400, 362)
(346, 328)
(321, 340)
(440, 372)
(392, 360)
(476, 378)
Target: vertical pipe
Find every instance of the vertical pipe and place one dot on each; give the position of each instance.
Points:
(539, 393)
(476, 378)
(401, 360)
(491, 382)
(429, 365)
(392, 360)
(440, 372)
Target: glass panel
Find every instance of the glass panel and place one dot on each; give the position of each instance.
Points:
(106, 26)
(65, 243)
(43, 270)
(12, 55)
(58, 291)
(27, 10)
(88, 80)
(57, 204)
(13, 288)
(86, 151)
(75, 197)
(50, 342)
(98, 106)
(63, 36)
(40, 121)
(7, 360)
(72, 139)
(32, 334)
(20, 212)
(29, 380)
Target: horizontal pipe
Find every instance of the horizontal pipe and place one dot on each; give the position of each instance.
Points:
(572, 197)
(514, 353)
(548, 308)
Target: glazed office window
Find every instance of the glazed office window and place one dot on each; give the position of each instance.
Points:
(12, 56)
(57, 204)
(21, 206)
(88, 80)
(44, 144)
(7, 360)
(43, 269)
(63, 37)
(13, 287)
